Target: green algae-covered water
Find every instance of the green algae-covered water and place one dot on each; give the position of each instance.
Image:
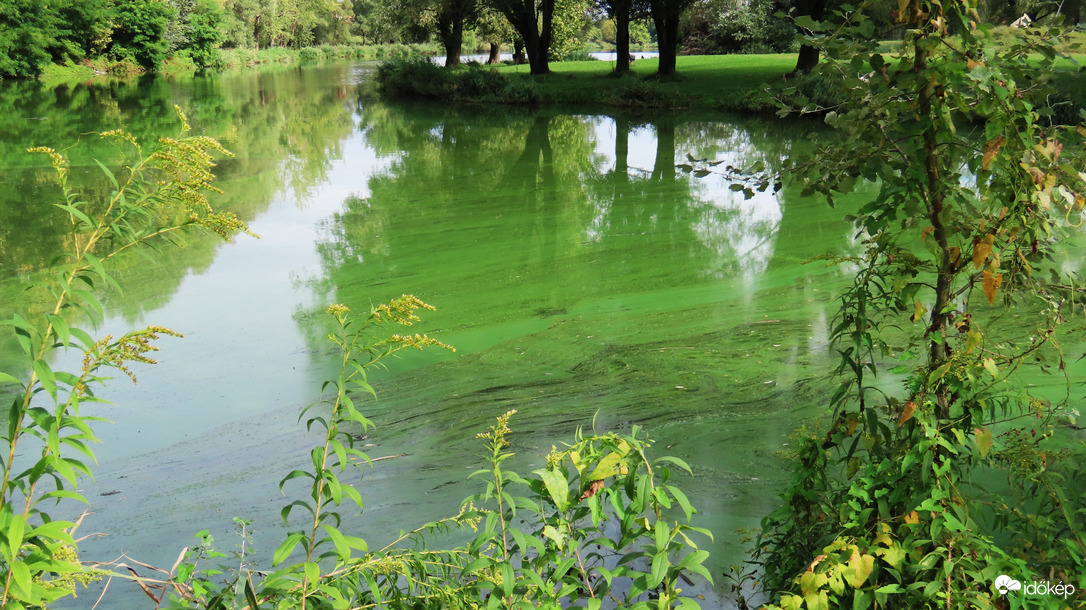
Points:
(580, 275)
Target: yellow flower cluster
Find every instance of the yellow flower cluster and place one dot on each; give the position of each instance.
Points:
(401, 310)
(120, 134)
(418, 341)
(132, 347)
(338, 310)
(498, 432)
(60, 164)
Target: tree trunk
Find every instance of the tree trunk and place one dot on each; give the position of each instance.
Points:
(518, 52)
(667, 37)
(452, 37)
(537, 53)
(534, 25)
(806, 60)
(495, 53)
(622, 41)
(808, 55)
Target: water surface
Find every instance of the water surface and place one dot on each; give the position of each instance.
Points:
(577, 271)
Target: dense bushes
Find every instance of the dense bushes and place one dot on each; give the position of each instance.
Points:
(140, 27)
(714, 28)
(420, 77)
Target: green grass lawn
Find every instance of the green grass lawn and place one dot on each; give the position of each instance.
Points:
(703, 81)
(719, 82)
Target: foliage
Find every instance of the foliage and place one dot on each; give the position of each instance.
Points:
(420, 77)
(205, 35)
(140, 31)
(34, 33)
(160, 196)
(570, 19)
(594, 522)
(25, 28)
(752, 27)
(976, 186)
(310, 54)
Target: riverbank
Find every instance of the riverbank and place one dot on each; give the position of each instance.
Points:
(232, 59)
(733, 83)
(708, 82)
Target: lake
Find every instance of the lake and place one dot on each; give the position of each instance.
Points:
(578, 272)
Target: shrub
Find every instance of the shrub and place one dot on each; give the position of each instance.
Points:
(581, 54)
(413, 77)
(310, 54)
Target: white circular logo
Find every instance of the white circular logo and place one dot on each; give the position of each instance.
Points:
(1004, 584)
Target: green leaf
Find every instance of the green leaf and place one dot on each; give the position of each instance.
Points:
(90, 300)
(45, 376)
(555, 535)
(108, 174)
(312, 572)
(77, 213)
(287, 547)
(20, 576)
(343, 550)
(557, 486)
(660, 564)
(477, 564)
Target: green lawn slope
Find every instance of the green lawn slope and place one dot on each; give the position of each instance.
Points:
(728, 82)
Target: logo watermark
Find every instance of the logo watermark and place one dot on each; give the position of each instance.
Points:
(1005, 584)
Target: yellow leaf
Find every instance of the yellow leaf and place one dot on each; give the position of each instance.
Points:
(912, 518)
(972, 340)
(859, 568)
(984, 440)
(919, 312)
(982, 249)
(927, 231)
(991, 149)
(991, 283)
(810, 582)
(906, 413)
(606, 467)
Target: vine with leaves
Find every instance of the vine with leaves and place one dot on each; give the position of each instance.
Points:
(907, 498)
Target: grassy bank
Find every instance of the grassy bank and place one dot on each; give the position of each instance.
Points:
(734, 83)
(724, 82)
(231, 59)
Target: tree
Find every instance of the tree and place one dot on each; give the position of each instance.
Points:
(84, 28)
(375, 21)
(805, 11)
(534, 23)
(623, 12)
(177, 29)
(205, 33)
(568, 29)
(964, 226)
(28, 29)
(666, 15)
(240, 23)
(493, 28)
(714, 28)
(140, 31)
(451, 17)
